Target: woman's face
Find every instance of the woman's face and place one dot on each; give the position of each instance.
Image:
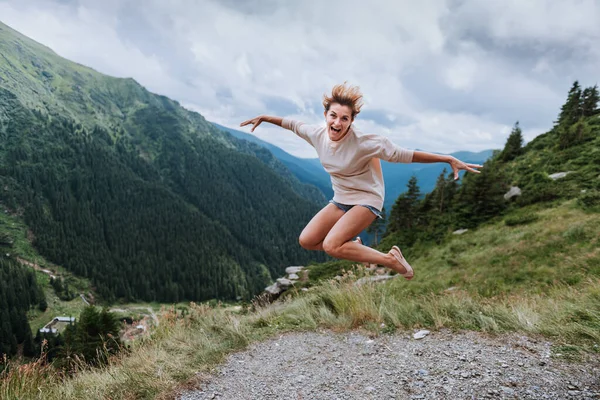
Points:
(339, 118)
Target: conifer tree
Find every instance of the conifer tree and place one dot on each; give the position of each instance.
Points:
(514, 144)
(405, 214)
(590, 101)
(91, 335)
(572, 109)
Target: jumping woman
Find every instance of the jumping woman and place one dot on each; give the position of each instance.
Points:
(352, 159)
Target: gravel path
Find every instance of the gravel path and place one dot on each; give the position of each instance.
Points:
(443, 365)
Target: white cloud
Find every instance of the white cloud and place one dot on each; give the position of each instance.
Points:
(439, 74)
(539, 20)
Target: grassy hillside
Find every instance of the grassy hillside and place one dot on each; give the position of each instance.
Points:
(537, 278)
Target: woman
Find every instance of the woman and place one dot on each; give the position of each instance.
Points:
(352, 158)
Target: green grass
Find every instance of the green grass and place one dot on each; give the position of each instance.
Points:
(17, 231)
(540, 279)
(56, 308)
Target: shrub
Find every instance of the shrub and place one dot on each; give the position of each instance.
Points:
(589, 200)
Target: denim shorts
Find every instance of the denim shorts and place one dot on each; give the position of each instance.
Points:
(346, 207)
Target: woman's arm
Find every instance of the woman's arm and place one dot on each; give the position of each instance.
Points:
(301, 129)
(457, 165)
(256, 121)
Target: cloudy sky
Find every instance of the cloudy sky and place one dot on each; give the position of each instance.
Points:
(439, 75)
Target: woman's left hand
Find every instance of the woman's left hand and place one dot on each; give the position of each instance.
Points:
(458, 165)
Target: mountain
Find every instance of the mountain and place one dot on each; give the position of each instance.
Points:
(309, 171)
(143, 197)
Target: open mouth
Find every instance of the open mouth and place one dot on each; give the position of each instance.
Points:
(336, 130)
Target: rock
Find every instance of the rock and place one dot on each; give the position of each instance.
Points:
(293, 270)
(370, 389)
(293, 277)
(507, 390)
(304, 289)
(274, 289)
(559, 175)
(514, 191)
(459, 231)
(284, 283)
(421, 334)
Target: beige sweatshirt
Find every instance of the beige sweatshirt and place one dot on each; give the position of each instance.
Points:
(352, 162)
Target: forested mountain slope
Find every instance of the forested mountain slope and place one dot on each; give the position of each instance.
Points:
(129, 189)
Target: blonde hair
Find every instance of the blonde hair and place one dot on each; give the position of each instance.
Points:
(349, 96)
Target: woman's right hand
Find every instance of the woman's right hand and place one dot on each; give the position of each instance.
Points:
(254, 121)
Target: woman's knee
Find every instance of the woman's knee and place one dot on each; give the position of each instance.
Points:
(331, 247)
(307, 242)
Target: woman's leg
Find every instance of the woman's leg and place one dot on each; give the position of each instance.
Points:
(338, 242)
(314, 233)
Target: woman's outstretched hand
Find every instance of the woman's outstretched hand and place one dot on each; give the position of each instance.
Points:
(254, 121)
(458, 165)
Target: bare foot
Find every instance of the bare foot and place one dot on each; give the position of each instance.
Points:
(399, 263)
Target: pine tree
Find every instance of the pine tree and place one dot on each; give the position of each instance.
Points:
(590, 101)
(91, 335)
(404, 217)
(572, 109)
(443, 192)
(480, 196)
(43, 305)
(514, 144)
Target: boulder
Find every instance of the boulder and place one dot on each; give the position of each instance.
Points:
(284, 283)
(459, 231)
(293, 277)
(274, 289)
(559, 175)
(293, 270)
(421, 334)
(514, 191)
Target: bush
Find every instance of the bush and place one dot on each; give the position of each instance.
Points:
(5, 239)
(589, 200)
